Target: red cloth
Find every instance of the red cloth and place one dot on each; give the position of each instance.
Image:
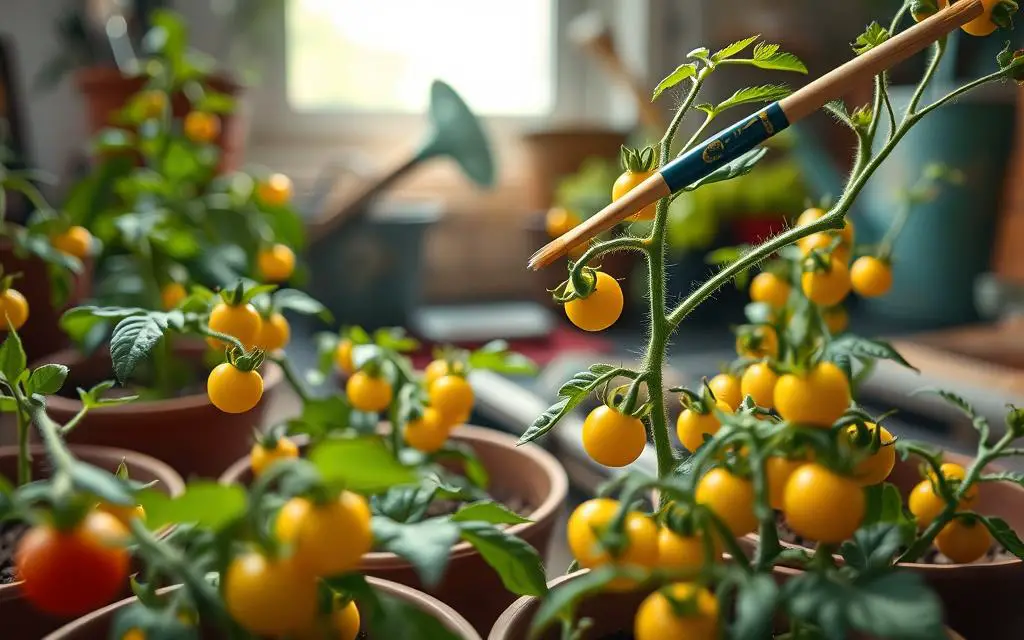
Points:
(540, 350)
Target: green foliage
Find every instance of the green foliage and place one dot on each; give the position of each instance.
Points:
(488, 511)
(204, 503)
(425, 544)
(874, 35)
(516, 562)
(360, 464)
(571, 394)
(748, 95)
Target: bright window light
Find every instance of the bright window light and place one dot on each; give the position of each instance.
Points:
(381, 55)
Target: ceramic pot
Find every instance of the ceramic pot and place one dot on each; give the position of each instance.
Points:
(20, 620)
(469, 584)
(42, 333)
(981, 600)
(97, 625)
(187, 432)
(612, 613)
(106, 92)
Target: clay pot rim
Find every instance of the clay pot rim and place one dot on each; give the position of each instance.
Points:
(963, 461)
(272, 377)
(450, 618)
(469, 434)
(96, 77)
(168, 476)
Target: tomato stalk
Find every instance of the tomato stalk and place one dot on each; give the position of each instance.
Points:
(24, 456)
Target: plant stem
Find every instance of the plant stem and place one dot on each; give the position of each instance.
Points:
(24, 456)
(623, 243)
(396, 430)
(293, 379)
(959, 91)
(73, 422)
(933, 65)
(696, 134)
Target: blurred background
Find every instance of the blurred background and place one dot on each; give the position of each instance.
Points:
(337, 94)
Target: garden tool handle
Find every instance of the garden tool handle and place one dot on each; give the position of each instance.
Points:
(727, 145)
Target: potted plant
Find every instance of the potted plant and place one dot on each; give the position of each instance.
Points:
(46, 265)
(439, 534)
(778, 431)
(57, 502)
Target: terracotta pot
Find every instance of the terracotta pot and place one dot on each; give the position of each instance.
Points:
(42, 333)
(188, 432)
(21, 621)
(619, 264)
(981, 600)
(97, 625)
(470, 585)
(106, 92)
(611, 612)
(555, 153)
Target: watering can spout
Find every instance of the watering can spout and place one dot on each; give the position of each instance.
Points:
(819, 169)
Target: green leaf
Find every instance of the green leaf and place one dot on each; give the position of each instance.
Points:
(741, 166)
(488, 511)
(364, 465)
(700, 53)
(134, 337)
(758, 312)
(885, 506)
(561, 601)
(864, 349)
(755, 608)
(12, 357)
(734, 48)
(395, 339)
(768, 56)
(874, 35)
(495, 356)
(572, 394)
(298, 301)
(472, 468)
(213, 102)
(838, 110)
(113, 140)
(748, 95)
(93, 397)
(100, 483)
(47, 379)
(517, 563)
(681, 73)
(404, 504)
(977, 421)
(874, 547)
(426, 544)
(205, 503)
(1004, 534)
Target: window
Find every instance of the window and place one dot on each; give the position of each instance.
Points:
(380, 57)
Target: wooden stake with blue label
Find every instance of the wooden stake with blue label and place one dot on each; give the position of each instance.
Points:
(746, 134)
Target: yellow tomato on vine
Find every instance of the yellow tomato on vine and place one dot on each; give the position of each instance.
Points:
(13, 310)
(601, 308)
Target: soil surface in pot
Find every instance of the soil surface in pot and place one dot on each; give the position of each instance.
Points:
(10, 532)
(997, 553)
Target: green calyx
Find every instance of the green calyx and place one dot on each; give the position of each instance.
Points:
(1002, 13)
(245, 361)
(637, 160)
(921, 9)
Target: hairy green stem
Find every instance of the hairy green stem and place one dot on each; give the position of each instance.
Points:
(696, 134)
(24, 456)
(623, 243)
(933, 66)
(70, 425)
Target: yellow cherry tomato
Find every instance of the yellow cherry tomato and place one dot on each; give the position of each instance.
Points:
(691, 425)
(983, 25)
(343, 357)
(435, 370)
(343, 625)
(428, 433)
(76, 241)
(758, 382)
(641, 532)
(821, 241)
(134, 634)
(371, 394)
(276, 264)
(600, 309)
(875, 468)
(778, 470)
(202, 127)
(822, 505)
(816, 398)
(274, 333)
(241, 321)
(920, 10)
(809, 216)
(151, 103)
(963, 542)
(730, 497)
(871, 277)
(656, 619)
(612, 438)
(275, 191)
(770, 289)
(760, 342)
(954, 475)
(836, 319)
(232, 390)
(171, 295)
(13, 310)
(452, 396)
(260, 458)
(846, 234)
(124, 513)
(558, 221)
(925, 503)
(269, 597)
(327, 539)
(827, 288)
(625, 183)
(677, 551)
(728, 389)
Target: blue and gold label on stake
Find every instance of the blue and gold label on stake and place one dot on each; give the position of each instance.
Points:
(724, 147)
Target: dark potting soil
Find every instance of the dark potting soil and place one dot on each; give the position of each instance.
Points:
(10, 533)
(997, 553)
